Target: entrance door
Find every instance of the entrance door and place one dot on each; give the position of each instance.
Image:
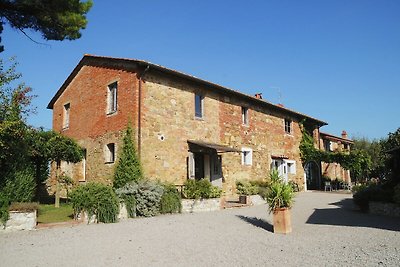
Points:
(313, 178)
(281, 166)
(198, 166)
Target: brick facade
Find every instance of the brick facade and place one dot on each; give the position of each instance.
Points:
(167, 121)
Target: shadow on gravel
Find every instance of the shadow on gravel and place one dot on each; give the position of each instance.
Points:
(257, 222)
(346, 215)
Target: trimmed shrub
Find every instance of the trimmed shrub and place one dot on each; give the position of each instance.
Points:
(246, 188)
(147, 195)
(20, 186)
(128, 167)
(170, 200)
(96, 199)
(200, 189)
(24, 206)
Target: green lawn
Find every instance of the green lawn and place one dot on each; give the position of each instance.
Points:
(49, 214)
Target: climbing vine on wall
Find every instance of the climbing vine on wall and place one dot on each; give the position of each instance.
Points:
(358, 162)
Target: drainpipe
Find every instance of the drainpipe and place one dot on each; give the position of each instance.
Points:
(139, 138)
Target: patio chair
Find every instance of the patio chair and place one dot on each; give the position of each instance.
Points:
(328, 186)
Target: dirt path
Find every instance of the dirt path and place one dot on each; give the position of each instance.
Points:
(326, 232)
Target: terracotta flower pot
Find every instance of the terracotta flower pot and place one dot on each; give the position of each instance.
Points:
(282, 221)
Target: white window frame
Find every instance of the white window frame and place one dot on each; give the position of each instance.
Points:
(110, 153)
(245, 116)
(112, 98)
(66, 115)
(291, 166)
(247, 156)
(200, 114)
(288, 125)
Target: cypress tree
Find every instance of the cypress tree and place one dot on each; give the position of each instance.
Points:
(128, 167)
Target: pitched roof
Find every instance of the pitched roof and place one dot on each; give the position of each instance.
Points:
(112, 61)
(335, 138)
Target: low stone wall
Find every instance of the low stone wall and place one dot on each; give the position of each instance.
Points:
(381, 208)
(122, 215)
(21, 221)
(200, 205)
(257, 200)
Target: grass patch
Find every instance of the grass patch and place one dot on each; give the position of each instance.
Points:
(49, 214)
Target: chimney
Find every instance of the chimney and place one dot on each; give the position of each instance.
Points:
(344, 134)
(258, 95)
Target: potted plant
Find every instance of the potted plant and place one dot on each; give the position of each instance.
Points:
(280, 199)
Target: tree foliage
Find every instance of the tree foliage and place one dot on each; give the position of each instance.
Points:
(63, 148)
(54, 19)
(128, 167)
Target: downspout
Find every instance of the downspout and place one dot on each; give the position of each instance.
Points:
(139, 132)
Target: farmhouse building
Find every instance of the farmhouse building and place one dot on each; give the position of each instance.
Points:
(185, 127)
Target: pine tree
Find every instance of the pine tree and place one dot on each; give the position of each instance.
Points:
(128, 167)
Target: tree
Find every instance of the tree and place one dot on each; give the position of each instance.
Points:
(128, 167)
(54, 19)
(14, 105)
(62, 148)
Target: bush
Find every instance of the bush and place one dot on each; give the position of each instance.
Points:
(96, 199)
(294, 186)
(373, 192)
(147, 195)
(128, 167)
(170, 200)
(396, 194)
(4, 204)
(246, 188)
(20, 186)
(260, 183)
(194, 189)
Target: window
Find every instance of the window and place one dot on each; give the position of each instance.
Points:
(67, 108)
(112, 98)
(327, 145)
(110, 153)
(247, 156)
(245, 116)
(288, 126)
(199, 106)
(345, 146)
(291, 166)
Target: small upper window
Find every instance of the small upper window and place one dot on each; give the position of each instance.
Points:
(112, 98)
(345, 146)
(67, 109)
(247, 156)
(288, 126)
(327, 145)
(110, 153)
(199, 105)
(245, 116)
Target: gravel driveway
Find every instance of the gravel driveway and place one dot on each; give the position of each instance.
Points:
(326, 232)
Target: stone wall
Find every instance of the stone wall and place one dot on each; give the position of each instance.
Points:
(21, 221)
(168, 122)
(89, 123)
(200, 205)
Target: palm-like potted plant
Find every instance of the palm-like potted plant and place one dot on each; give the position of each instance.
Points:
(280, 199)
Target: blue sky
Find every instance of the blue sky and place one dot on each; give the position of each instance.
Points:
(338, 61)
